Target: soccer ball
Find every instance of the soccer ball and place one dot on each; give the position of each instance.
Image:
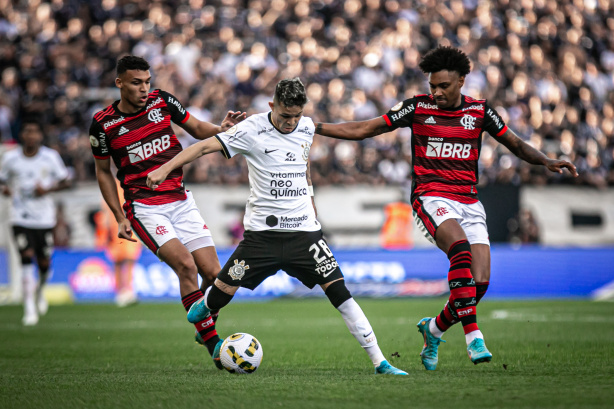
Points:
(241, 353)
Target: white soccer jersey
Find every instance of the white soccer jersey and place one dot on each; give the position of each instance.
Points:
(277, 162)
(23, 174)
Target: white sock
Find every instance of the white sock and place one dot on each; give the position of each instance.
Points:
(359, 326)
(473, 335)
(29, 288)
(435, 329)
(207, 294)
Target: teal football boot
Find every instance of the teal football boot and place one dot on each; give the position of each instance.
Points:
(386, 369)
(216, 355)
(478, 352)
(216, 351)
(198, 311)
(431, 345)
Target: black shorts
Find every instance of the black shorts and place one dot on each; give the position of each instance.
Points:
(304, 255)
(39, 240)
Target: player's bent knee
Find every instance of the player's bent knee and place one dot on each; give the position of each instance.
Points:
(185, 268)
(337, 293)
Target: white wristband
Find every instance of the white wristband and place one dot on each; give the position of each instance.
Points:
(310, 190)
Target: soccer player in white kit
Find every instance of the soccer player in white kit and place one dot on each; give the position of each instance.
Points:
(28, 175)
(281, 229)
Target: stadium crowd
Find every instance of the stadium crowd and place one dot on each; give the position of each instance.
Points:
(546, 65)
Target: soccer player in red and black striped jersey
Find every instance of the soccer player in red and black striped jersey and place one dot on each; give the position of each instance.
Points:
(446, 129)
(136, 133)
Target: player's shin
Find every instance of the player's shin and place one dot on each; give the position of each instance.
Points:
(447, 317)
(462, 287)
(480, 290)
(355, 320)
(29, 294)
(205, 327)
(216, 299)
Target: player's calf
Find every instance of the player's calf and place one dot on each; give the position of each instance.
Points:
(359, 326)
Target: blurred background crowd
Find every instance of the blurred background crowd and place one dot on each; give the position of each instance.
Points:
(546, 65)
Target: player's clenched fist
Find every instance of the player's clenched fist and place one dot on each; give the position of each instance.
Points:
(155, 178)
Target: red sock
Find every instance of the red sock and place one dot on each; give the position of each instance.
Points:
(191, 298)
(462, 285)
(447, 317)
(205, 328)
(480, 290)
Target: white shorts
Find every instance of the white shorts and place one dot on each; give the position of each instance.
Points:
(431, 211)
(157, 224)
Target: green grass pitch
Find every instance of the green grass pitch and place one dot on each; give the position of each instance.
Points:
(547, 354)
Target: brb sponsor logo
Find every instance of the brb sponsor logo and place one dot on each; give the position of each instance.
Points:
(282, 186)
(138, 151)
(438, 149)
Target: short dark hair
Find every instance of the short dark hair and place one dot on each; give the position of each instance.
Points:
(445, 58)
(291, 93)
(31, 121)
(131, 62)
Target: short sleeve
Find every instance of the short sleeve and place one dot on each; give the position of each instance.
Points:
(99, 141)
(5, 172)
(179, 114)
(401, 115)
(237, 139)
(493, 123)
(59, 169)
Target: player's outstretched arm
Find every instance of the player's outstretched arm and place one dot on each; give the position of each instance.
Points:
(155, 178)
(357, 130)
(529, 154)
(108, 188)
(203, 130)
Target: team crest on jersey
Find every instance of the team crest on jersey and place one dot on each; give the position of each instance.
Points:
(238, 270)
(155, 115)
(468, 122)
(306, 148)
(397, 106)
(94, 142)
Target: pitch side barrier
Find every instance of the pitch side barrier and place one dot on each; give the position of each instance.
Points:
(517, 272)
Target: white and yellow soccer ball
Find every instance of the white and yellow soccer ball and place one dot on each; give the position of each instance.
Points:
(241, 353)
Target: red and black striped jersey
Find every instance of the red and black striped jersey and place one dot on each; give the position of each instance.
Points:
(140, 143)
(445, 144)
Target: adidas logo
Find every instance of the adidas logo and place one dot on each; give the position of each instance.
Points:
(124, 130)
(430, 120)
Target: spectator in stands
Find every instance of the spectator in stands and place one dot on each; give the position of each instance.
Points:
(547, 67)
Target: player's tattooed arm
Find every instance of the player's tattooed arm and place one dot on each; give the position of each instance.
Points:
(354, 130)
(310, 188)
(529, 154)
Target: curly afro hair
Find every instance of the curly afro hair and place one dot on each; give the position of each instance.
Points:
(445, 58)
